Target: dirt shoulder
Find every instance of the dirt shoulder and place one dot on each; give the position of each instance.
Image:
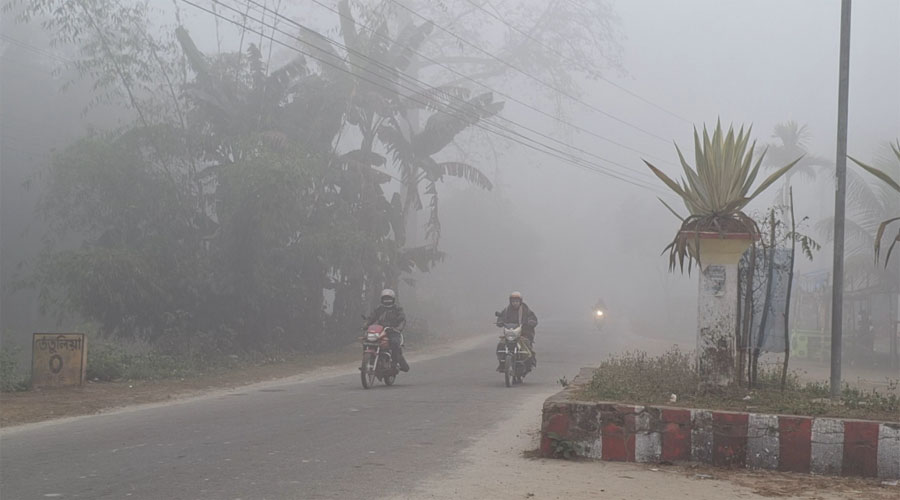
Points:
(501, 465)
(17, 408)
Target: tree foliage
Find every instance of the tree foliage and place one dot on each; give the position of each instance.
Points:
(885, 177)
(245, 205)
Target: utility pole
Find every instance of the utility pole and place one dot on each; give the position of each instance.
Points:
(837, 290)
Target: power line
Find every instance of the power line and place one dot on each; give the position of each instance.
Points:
(33, 48)
(429, 87)
(578, 63)
(568, 157)
(549, 151)
(530, 76)
(8, 60)
(482, 84)
(484, 124)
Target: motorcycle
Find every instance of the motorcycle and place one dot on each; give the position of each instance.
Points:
(599, 318)
(377, 361)
(515, 354)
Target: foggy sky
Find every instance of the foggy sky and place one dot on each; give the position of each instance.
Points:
(759, 63)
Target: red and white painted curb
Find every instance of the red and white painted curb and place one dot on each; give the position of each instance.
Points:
(610, 431)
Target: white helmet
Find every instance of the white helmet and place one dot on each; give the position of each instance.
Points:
(388, 297)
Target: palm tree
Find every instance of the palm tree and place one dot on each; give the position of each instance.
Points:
(871, 207)
(868, 205)
(881, 200)
(792, 143)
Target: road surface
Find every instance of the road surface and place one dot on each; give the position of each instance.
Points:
(325, 438)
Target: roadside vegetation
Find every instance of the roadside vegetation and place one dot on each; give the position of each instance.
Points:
(252, 198)
(638, 378)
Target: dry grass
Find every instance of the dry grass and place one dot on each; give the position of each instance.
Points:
(637, 378)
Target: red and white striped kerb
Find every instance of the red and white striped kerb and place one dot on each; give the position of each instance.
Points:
(775, 442)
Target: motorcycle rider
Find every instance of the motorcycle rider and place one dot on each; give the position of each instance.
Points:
(518, 312)
(390, 315)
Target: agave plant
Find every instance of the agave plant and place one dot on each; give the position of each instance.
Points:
(893, 184)
(717, 190)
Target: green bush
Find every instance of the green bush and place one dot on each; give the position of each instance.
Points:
(635, 374)
(107, 362)
(154, 365)
(635, 377)
(11, 378)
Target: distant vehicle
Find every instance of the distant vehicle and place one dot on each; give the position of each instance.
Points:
(599, 318)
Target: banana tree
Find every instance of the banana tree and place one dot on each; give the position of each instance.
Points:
(386, 113)
(413, 153)
(893, 184)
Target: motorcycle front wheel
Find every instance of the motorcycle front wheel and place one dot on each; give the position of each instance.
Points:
(367, 373)
(510, 366)
(389, 379)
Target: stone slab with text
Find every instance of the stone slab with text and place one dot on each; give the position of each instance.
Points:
(58, 359)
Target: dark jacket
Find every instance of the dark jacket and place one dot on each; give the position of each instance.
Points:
(388, 317)
(529, 319)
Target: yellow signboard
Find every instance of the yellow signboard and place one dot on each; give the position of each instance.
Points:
(58, 359)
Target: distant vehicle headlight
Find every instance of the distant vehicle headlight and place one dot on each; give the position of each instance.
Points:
(599, 313)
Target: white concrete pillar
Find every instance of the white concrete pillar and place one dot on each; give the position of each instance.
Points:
(717, 305)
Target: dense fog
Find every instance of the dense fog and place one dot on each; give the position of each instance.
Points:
(192, 169)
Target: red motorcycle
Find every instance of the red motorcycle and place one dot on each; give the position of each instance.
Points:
(377, 361)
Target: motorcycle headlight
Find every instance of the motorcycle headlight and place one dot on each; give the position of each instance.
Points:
(599, 314)
(372, 337)
(510, 336)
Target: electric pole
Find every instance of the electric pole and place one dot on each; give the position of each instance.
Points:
(837, 291)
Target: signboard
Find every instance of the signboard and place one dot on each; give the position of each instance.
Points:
(58, 359)
(773, 333)
(714, 284)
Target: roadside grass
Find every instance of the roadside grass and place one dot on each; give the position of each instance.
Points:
(11, 377)
(111, 360)
(637, 378)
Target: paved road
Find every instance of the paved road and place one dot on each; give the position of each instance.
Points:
(324, 438)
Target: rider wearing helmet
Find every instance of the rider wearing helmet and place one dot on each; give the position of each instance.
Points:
(518, 312)
(390, 315)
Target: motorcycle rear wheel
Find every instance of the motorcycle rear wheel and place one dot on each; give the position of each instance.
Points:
(509, 373)
(389, 379)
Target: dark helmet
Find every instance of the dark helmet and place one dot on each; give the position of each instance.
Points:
(388, 297)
